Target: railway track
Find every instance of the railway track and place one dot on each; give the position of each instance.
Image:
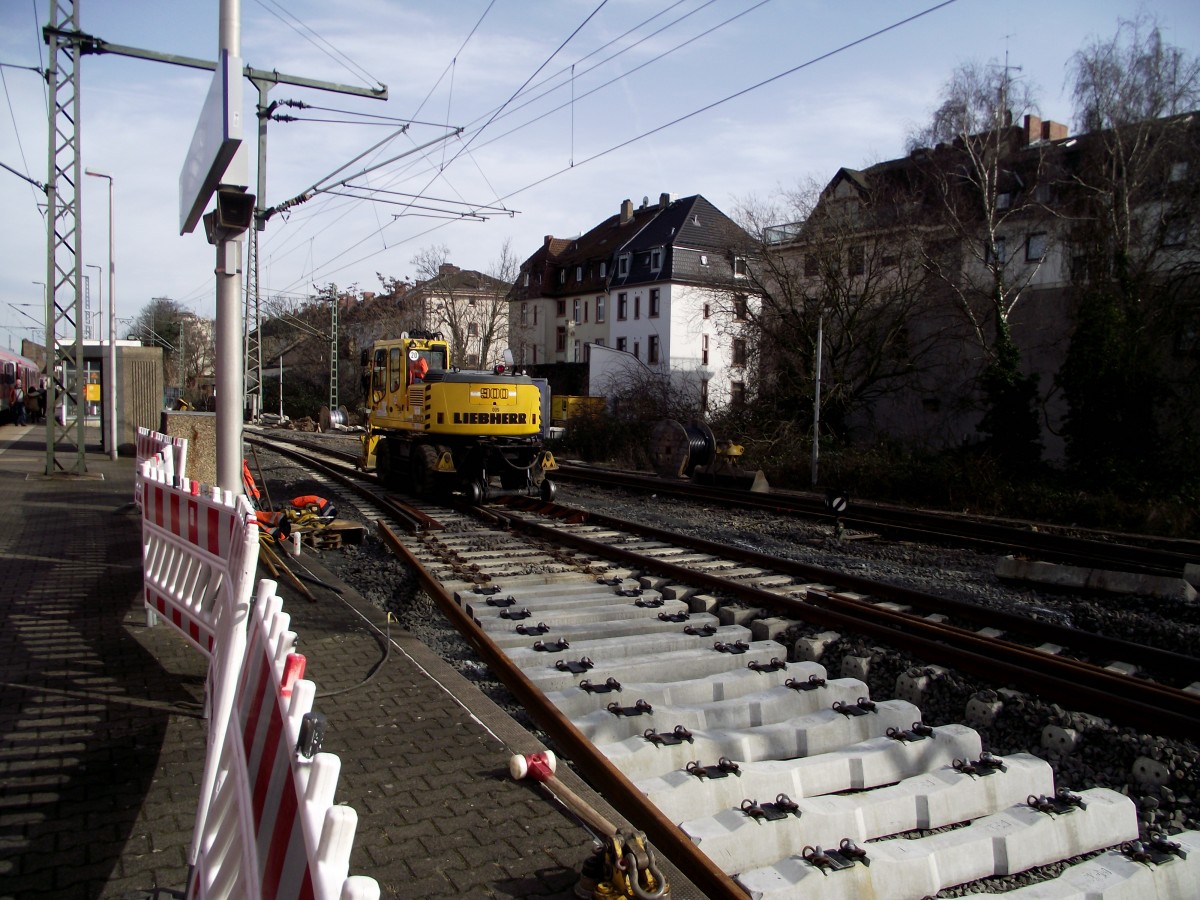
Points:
(657, 666)
(1138, 554)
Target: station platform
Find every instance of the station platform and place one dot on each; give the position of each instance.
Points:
(102, 735)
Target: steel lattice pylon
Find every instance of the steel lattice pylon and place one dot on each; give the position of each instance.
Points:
(64, 244)
(252, 369)
(333, 358)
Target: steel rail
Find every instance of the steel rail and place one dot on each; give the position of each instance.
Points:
(1148, 706)
(1159, 557)
(600, 772)
(1114, 649)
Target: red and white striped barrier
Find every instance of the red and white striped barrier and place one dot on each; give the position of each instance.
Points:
(197, 552)
(171, 451)
(272, 829)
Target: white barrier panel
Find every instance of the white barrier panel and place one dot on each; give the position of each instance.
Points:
(199, 556)
(197, 552)
(273, 829)
(154, 445)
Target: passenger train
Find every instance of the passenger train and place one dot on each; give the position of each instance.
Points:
(14, 368)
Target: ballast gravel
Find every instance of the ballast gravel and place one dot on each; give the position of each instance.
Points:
(1103, 755)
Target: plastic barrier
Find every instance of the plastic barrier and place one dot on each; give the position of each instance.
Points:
(154, 444)
(197, 552)
(272, 828)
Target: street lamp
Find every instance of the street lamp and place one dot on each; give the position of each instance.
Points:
(112, 322)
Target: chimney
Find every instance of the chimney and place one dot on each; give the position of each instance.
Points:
(1054, 131)
(1033, 129)
(665, 200)
(448, 269)
(547, 239)
(626, 211)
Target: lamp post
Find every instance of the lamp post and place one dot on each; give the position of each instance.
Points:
(112, 322)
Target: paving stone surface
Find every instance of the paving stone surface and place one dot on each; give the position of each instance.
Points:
(102, 735)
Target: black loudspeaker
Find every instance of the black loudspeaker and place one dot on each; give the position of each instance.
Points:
(232, 217)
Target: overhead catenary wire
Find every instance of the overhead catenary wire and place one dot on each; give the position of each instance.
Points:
(523, 88)
(329, 272)
(319, 42)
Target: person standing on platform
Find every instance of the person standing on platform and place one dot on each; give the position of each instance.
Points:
(16, 402)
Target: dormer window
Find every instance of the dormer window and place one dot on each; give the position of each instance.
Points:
(623, 265)
(656, 260)
(562, 276)
(739, 267)
(579, 273)
(526, 279)
(603, 270)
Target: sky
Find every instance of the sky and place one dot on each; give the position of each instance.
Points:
(567, 108)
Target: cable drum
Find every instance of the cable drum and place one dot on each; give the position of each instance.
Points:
(677, 449)
(333, 418)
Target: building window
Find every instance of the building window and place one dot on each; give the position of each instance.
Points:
(526, 279)
(739, 352)
(535, 316)
(655, 260)
(603, 269)
(740, 308)
(560, 308)
(654, 301)
(623, 265)
(579, 273)
(637, 306)
(622, 306)
(707, 310)
(1035, 246)
(1004, 200)
(704, 350)
(524, 313)
(562, 276)
(600, 308)
(560, 339)
(637, 350)
(575, 310)
(858, 261)
(621, 344)
(739, 267)
(472, 329)
(585, 311)
(737, 393)
(812, 266)
(575, 355)
(652, 350)
(1179, 171)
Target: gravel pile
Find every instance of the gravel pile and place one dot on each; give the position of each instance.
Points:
(1104, 756)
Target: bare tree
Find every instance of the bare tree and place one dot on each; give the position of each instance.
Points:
(983, 183)
(1134, 190)
(846, 272)
(469, 308)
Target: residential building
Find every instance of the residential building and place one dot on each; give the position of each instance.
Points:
(656, 291)
(469, 308)
(1016, 243)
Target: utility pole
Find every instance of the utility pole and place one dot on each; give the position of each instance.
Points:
(64, 244)
(67, 45)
